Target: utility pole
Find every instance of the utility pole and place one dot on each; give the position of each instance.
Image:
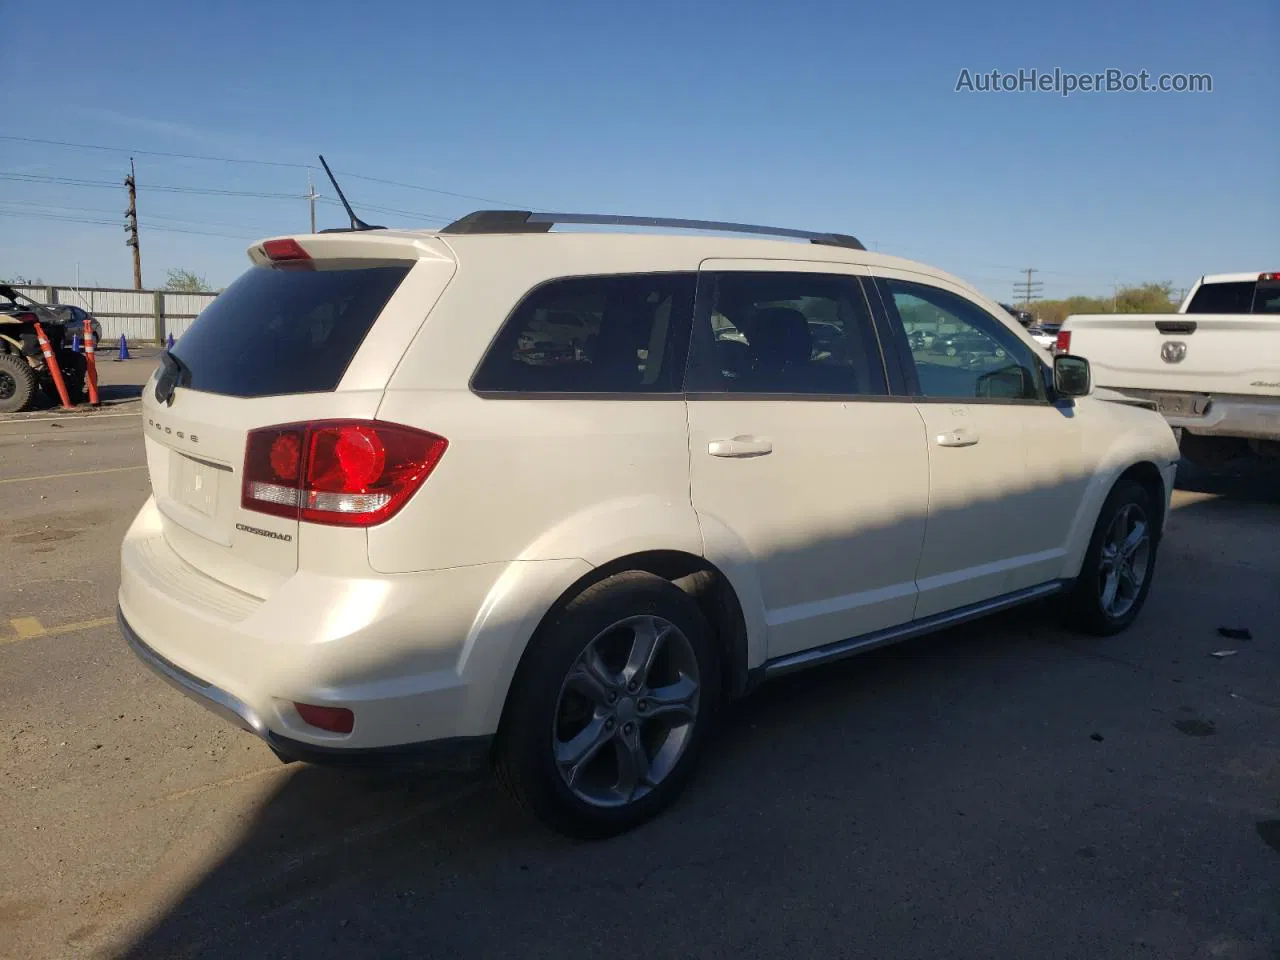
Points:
(313, 197)
(1029, 289)
(131, 225)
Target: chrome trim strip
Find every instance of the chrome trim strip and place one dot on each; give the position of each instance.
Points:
(212, 698)
(869, 641)
(201, 460)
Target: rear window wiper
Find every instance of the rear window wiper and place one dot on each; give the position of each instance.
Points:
(174, 374)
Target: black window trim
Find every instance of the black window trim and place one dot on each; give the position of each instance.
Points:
(898, 333)
(704, 298)
(681, 344)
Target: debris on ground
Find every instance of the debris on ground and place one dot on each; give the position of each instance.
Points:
(1224, 653)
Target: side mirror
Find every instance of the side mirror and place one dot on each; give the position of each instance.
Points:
(1071, 376)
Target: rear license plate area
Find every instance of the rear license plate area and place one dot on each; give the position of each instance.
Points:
(194, 485)
(1181, 404)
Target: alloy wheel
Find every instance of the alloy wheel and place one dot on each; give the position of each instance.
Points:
(1126, 552)
(626, 711)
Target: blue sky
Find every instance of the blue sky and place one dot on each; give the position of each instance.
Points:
(826, 115)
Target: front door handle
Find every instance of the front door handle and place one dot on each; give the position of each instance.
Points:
(740, 446)
(960, 437)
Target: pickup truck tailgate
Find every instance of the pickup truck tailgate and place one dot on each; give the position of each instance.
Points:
(1201, 353)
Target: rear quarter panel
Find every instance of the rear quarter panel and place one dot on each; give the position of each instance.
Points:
(532, 478)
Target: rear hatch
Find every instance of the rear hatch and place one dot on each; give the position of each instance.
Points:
(1198, 353)
(271, 349)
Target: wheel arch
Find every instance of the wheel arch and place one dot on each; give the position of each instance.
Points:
(1144, 471)
(698, 577)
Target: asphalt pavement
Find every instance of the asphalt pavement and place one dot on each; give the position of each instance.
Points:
(1006, 789)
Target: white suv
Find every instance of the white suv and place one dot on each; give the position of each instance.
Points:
(550, 498)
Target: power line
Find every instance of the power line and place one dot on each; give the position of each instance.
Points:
(215, 192)
(260, 163)
(379, 209)
(152, 153)
(161, 188)
(151, 216)
(116, 224)
(417, 186)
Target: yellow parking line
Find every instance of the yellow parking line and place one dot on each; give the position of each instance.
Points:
(28, 628)
(78, 473)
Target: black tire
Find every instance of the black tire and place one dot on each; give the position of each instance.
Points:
(18, 383)
(1086, 608)
(525, 759)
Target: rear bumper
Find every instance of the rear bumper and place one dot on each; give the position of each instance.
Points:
(1235, 417)
(1207, 415)
(423, 660)
(452, 753)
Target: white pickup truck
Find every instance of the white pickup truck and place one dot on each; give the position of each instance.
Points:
(1212, 369)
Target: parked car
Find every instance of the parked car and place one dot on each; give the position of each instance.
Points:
(1045, 333)
(1212, 368)
(411, 543)
(73, 318)
(1022, 316)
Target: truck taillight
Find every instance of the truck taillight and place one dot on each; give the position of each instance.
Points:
(353, 473)
(1063, 343)
(1264, 277)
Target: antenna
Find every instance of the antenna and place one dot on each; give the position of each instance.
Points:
(356, 222)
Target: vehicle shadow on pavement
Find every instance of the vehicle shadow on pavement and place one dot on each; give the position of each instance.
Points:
(1248, 480)
(116, 393)
(999, 770)
(1005, 788)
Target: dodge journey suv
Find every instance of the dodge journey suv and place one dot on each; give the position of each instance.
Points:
(549, 498)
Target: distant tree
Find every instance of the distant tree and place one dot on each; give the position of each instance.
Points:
(1148, 298)
(1143, 298)
(185, 281)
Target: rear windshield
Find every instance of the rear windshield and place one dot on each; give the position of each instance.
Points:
(1234, 297)
(289, 328)
(1266, 299)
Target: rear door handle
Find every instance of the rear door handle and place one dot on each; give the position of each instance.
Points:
(960, 437)
(741, 446)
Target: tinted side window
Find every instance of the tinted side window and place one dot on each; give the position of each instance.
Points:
(959, 349)
(787, 333)
(607, 334)
(1222, 298)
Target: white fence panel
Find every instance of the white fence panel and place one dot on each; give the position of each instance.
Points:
(181, 309)
(128, 312)
(135, 328)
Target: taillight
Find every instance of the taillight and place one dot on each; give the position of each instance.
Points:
(353, 473)
(1063, 343)
(286, 249)
(1264, 277)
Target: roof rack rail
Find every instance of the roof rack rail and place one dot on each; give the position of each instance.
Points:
(525, 221)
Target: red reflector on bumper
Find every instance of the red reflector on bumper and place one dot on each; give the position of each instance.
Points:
(333, 719)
